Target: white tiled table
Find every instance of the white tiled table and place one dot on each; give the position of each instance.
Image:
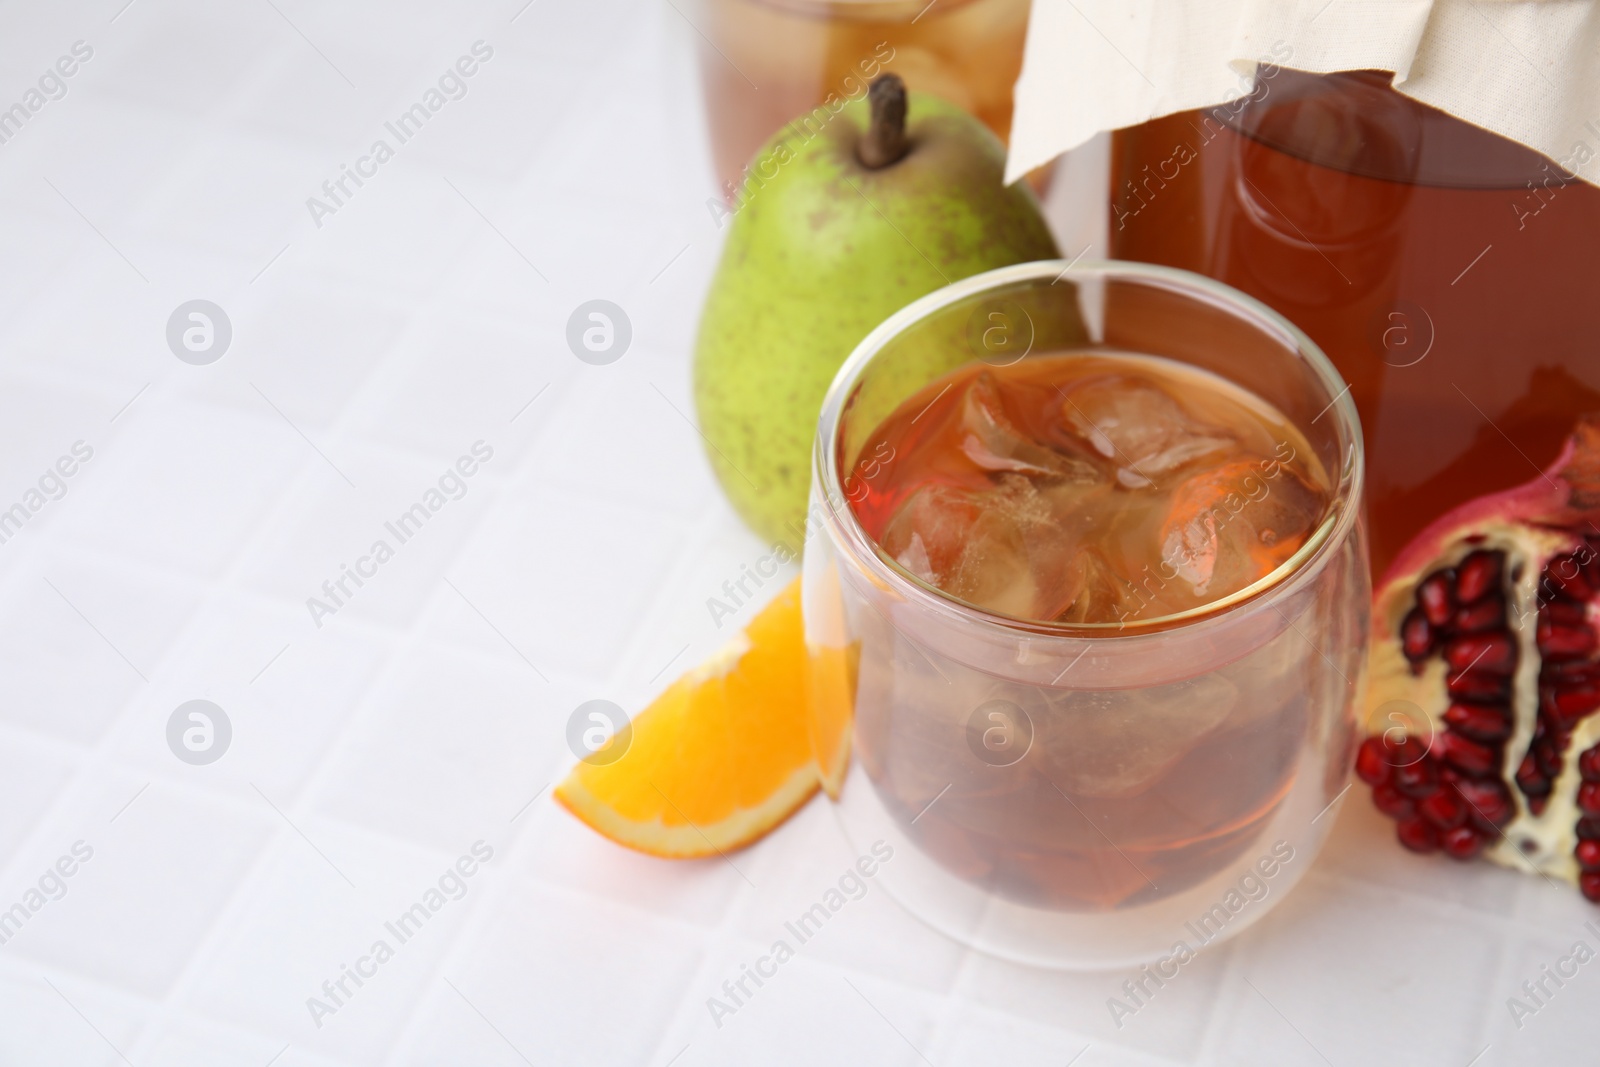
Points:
(372, 751)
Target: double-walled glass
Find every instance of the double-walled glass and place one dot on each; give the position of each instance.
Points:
(1087, 795)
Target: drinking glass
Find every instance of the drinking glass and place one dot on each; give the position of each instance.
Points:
(1086, 795)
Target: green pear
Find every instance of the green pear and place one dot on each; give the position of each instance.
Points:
(840, 223)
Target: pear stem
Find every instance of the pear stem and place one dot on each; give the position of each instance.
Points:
(885, 140)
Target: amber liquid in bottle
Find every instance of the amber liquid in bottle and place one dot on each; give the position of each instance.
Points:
(1450, 274)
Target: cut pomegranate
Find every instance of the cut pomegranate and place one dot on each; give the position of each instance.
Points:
(1488, 623)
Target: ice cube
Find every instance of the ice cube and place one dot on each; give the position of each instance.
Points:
(994, 442)
(1059, 523)
(1234, 525)
(1099, 595)
(1118, 743)
(929, 532)
(1010, 549)
(1138, 426)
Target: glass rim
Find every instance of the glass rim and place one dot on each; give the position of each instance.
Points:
(1334, 529)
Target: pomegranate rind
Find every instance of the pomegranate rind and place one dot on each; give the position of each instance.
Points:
(1563, 496)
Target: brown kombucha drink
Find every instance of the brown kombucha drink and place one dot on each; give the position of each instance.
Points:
(1094, 490)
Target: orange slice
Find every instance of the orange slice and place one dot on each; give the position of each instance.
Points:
(719, 758)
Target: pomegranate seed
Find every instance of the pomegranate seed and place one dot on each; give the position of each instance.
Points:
(1566, 574)
(1416, 636)
(1530, 779)
(1444, 809)
(1565, 612)
(1418, 835)
(1552, 711)
(1487, 614)
(1488, 801)
(1392, 802)
(1588, 853)
(1569, 704)
(1589, 885)
(1537, 804)
(1571, 674)
(1416, 779)
(1372, 761)
(1436, 599)
(1589, 765)
(1409, 749)
(1478, 685)
(1479, 722)
(1492, 653)
(1589, 798)
(1589, 828)
(1467, 755)
(1478, 574)
(1462, 843)
(1561, 641)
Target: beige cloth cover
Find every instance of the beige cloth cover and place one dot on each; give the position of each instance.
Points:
(1526, 69)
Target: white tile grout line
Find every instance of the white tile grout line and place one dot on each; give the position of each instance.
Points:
(1231, 991)
(687, 1014)
(512, 884)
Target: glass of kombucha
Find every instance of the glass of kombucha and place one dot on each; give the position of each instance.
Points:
(767, 63)
(1448, 273)
(1087, 542)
